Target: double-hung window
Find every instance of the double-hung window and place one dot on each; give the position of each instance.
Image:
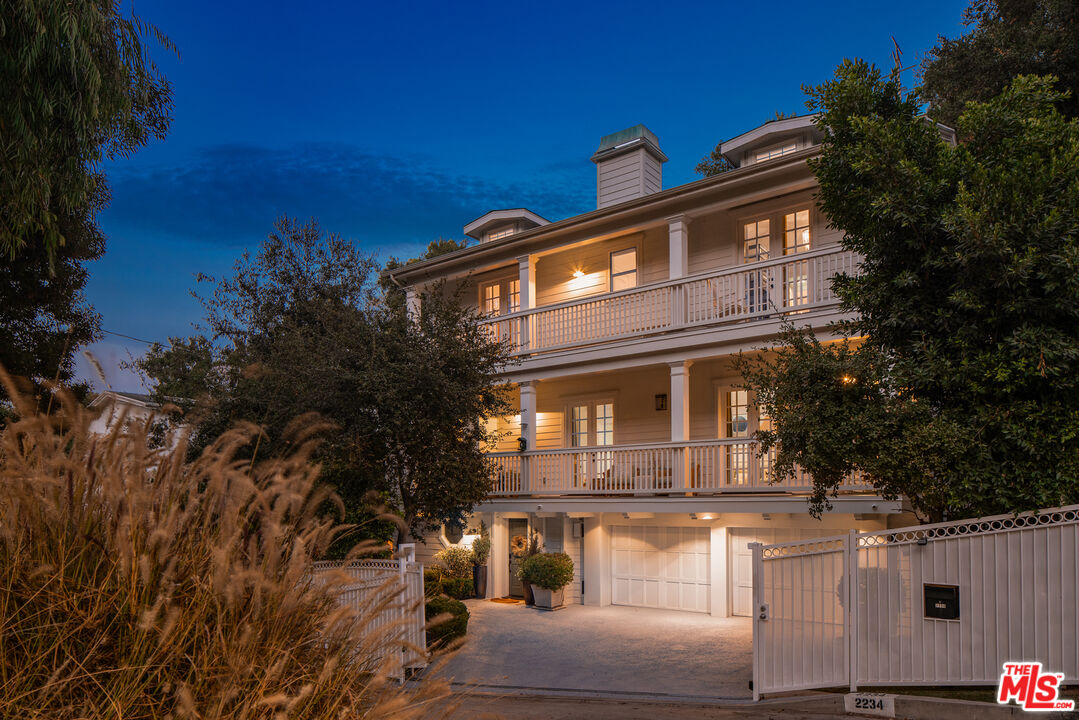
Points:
(623, 269)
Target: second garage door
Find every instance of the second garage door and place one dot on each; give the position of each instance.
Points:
(742, 559)
(660, 567)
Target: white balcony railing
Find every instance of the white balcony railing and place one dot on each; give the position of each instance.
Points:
(702, 467)
(788, 284)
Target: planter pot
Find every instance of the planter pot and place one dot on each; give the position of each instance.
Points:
(479, 581)
(529, 598)
(549, 599)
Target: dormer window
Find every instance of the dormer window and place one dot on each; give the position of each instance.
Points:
(776, 151)
(499, 234)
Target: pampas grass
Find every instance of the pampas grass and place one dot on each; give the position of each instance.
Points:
(134, 584)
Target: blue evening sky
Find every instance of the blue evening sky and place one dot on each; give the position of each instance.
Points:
(396, 123)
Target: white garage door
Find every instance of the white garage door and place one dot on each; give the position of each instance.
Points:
(660, 567)
(742, 558)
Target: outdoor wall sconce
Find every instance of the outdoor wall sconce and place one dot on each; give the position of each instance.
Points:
(661, 402)
(522, 444)
(578, 274)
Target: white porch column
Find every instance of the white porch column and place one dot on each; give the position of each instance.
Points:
(528, 428)
(719, 573)
(678, 227)
(526, 266)
(597, 562)
(412, 303)
(498, 580)
(680, 422)
(528, 412)
(680, 400)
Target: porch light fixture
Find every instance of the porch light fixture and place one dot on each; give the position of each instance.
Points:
(702, 516)
(661, 402)
(578, 274)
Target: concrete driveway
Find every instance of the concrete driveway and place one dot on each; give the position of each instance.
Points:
(609, 650)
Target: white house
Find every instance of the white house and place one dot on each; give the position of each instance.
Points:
(114, 405)
(632, 447)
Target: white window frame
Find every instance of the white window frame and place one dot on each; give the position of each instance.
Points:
(635, 272)
(775, 151)
(508, 291)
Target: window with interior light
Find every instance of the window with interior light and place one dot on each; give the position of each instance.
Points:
(500, 297)
(796, 275)
(756, 240)
(491, 298)
(499, 234)
(776, 151)
(623, 269)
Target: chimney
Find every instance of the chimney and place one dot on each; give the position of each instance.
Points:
(629, 164)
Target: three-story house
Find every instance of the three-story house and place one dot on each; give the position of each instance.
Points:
(632, 444)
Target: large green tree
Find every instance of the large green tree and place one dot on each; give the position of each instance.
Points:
(961, 391)
(1006, 38)
(77, 86)
(302, 327)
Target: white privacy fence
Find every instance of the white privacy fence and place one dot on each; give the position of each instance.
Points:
(748, 292)
(1011, 583)
(388, 594)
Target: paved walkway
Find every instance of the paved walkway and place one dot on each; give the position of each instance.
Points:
(612, 649)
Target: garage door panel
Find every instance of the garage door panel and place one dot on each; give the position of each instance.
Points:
(659, 566)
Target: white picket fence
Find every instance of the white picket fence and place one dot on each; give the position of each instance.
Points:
(389, 593)
(1017, 580)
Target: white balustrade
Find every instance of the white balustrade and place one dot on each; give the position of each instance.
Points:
(701, 467)
(748, 292)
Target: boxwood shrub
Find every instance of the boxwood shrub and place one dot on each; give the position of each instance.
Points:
(551, 571)
(446, 630)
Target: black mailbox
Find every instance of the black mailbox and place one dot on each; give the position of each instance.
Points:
(941, 601)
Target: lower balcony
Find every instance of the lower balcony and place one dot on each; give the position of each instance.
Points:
(688, 468)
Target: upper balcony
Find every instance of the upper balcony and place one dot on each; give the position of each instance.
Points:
(743, 294)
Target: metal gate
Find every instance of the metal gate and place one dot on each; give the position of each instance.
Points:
(1013, 580)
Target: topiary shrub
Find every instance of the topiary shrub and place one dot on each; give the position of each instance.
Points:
(456, 561)
(551, 571)
(481, 550)
(447, 620)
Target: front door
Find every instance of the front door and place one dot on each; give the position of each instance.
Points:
(517, 528)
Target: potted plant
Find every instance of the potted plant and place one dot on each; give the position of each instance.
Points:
(549, 574)
(524, 549)
(481, 550)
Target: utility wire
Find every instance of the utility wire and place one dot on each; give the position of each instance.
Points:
(148, 342)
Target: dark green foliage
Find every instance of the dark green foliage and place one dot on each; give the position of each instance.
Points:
(301, 327)
(459, 588)
(447, 618)
(964, 395)
(437, 582)
(551, 571)
(44, 317)
(714, 163)
(1008, 38)
(77, 85)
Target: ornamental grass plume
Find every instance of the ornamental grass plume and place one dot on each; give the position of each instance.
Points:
(134, 584)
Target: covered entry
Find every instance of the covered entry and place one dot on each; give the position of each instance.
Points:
(660, 567)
